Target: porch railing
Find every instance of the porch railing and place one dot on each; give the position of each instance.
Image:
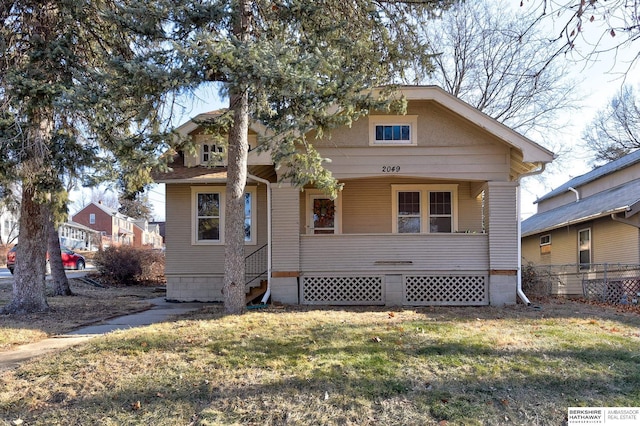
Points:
(255, 266)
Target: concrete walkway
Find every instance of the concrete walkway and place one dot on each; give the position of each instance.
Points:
(160, 312)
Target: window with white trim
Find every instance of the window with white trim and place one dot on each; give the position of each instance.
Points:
(208, 215)
(545, 244)
(584, 249)
(92, 218)
(211, 152)
(424, 208)
(323, 214)
(393, 129)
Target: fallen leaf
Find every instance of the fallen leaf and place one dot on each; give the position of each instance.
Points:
(136, 406)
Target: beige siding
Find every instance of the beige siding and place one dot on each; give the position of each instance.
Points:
(183, 257)
(611, 242)
(448, 147)
(488, 162)
(366, 205)
(437, 127)
(564, 247)
(394, 252)
(286, 235)
(614, 242)
(503, 236)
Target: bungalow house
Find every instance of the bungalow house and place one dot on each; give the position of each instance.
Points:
(116, 228)
(587, 222)
(428, 214)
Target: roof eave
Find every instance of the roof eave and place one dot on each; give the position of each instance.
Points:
(577, 221)
(531, 151)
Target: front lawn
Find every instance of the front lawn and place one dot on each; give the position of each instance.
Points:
(351, 366)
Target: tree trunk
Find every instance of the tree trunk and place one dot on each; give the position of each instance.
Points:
(238, 147)
(234, 280)
(59, 279)
(29, 290)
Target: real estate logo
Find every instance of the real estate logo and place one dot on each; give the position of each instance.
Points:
(611, 416)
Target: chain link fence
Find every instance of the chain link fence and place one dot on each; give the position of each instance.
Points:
(603, 282)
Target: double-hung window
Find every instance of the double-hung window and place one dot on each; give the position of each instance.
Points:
(208, 217)
(584, 249)
(424, 208)
(208, 205)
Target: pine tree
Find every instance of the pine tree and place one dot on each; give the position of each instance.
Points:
(81, 87)
(295, 66)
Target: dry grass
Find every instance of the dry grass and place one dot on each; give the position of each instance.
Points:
(89, 304)
(299, 366)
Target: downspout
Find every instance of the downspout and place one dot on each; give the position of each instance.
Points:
(521, 294)
(266, 182)
(575, 191)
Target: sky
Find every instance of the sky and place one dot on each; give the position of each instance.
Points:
(599, 80)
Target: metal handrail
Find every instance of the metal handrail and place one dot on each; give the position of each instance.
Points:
(255, 265)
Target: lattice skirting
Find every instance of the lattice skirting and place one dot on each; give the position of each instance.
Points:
(359, 290)
(445, 290)
(418, 290)
(622, 291)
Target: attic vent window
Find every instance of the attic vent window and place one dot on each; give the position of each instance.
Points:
(393, 130)
(211, 152)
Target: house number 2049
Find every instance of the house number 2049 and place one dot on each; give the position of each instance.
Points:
(390, 169)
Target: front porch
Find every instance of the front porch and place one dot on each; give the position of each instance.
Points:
(342, 264)
(394, 269)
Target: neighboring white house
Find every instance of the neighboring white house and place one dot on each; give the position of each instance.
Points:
(8, 227)
(146, 234)
(76, 236)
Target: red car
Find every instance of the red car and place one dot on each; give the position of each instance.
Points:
(70, 260)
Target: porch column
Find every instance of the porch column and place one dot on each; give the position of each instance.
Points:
(285, 250)
(502, 228)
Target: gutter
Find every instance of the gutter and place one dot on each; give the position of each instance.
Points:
(266, 182)
(616, 218)
(521, 294)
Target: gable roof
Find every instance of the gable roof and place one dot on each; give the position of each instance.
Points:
(108, 210)
(531, 151)
(623, 198)
(614, 166)
(189, 126)
(526, 155)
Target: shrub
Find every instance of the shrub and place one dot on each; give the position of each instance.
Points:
(126, 265)
(535, 283)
